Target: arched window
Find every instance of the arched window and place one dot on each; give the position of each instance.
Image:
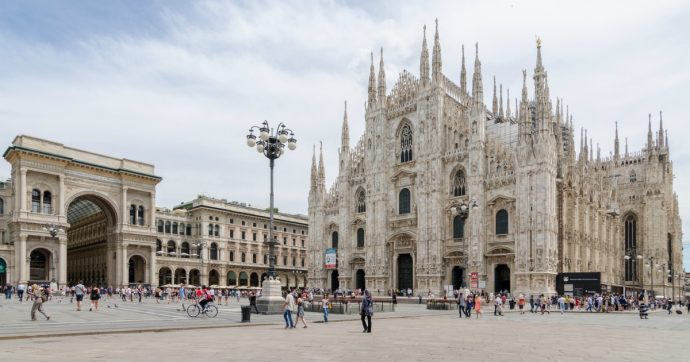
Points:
(35, 201)
(214, 251)
(360, 238)
(167, 227)
(160, 226)
(141, 215)
(182, 228)
(216, 230)
(244, 257)
(404, 201)
(406, 144)
(210, 229)
(2, 206)
(132, 214)
(47, 202)
(189, 229)
(172, 247)
(174, 228)
(334, 240)
(458, 227)
(159, 245)
(631, 248)
(232, 256)
(459, 183)
(501, 222)
(185, 250)
(254, 258)
(360, 201)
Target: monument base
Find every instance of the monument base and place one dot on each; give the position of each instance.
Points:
(271, 300)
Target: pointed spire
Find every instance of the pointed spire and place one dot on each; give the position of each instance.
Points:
(345, 137)
(650, 142)
(477, 87)
(436, 59)
(598, 153)
(424, 61)
(667, 145)
(591, 150)
(372, 85)
(661, 131)
(494, 104)
(463, 73)
(314, 174)
(616, 145)
(500, 103)
(322, 169)
(626, 146)
(382, 81)
(539, 64)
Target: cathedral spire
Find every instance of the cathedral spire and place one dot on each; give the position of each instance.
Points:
(524, 125)
(667, 145)
(591, 150)
(345, 137)
(463, 73)
(322, 170)
(598, 153)
(508, 114)
(477, 87)
(424, 61)
(436, 59)
(494, 104)
(314, 174)
(382, 82)
(626, 146)
(650, 142)
(616, 145)
(661, 131)
(372, 85)
(500, 102)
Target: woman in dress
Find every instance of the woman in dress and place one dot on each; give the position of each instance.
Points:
(478, 306)
(643, 308)
(300, 312)
(94, 297)
(521, 303)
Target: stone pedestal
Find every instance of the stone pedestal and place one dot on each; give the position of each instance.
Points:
(271, 300)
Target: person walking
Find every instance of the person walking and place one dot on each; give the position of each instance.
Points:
(94, 297)
(521, 303)
(325, 306)
(469, 306)
(498, 302)
(79, 291)
(367, 311)
(21, 287)
(8, 292)
(39, 295)
(561, 304)
(461, 305)
(252, 303)
(288, 306)
(643, 308)
(300, 312)
(478, 306)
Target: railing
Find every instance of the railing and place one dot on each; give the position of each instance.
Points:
(348, 305)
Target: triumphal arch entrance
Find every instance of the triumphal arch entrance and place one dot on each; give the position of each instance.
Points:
(103, 206)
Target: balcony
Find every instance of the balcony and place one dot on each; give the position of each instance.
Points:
(403, 221)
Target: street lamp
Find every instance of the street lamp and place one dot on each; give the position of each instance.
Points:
(272, 145)
(199, 245)
(53, 230)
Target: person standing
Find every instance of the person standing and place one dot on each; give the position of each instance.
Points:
(461, 305)
(39, 295)
(325, 306)
(561, 304)
(498, 302)
(288, 306)
(79, 291)
(94, 297)
(478, 306)
(469, 305)
(21, 287)
(8, 292)
(367, 311)
(521, 303)
(643, 308)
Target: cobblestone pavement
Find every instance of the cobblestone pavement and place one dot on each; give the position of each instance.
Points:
(410, 334)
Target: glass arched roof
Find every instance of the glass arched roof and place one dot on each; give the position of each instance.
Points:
(81, 209)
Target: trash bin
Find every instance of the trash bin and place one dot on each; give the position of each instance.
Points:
(512, 304)
(246, 313)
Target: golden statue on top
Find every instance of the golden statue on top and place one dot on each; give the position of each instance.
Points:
(538, 41)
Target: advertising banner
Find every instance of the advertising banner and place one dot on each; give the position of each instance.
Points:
(474, 280)
(331, 258)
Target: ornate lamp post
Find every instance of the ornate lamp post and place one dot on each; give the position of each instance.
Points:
(199, 246)
(54, 230)
(632, 254)
(271, 144)
(463, 210)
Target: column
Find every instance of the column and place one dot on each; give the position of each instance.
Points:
(21, 259)
(204, 265)
(118, 262)
(125, 265)
(22, 190)
(152, 213)
(152, 267)
(61, 201)
(62, 260)
(125, 209)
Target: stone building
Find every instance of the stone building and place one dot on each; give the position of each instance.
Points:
(443, 189)
(113, 233)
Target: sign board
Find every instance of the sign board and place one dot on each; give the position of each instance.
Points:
(482, 284)
(474, 280)
(331, 260)
(449, 291)
(578, 284)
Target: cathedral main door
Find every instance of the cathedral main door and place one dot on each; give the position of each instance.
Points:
(360, 284)
(502, 278)
(405, 271)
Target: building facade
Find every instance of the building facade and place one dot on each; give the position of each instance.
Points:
(114, 235)
(443, 189)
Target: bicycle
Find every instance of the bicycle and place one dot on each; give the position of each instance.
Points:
(193, 310)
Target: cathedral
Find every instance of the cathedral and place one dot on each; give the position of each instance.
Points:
(444, 190)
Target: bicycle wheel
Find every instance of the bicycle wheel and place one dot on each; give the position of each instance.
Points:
(193, 310)
(211, 311)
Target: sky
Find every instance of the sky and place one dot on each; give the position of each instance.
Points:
(178, 83)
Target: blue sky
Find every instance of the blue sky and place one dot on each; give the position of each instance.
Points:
(177, 83)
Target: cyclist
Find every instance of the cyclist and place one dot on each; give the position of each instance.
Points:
(205, 297)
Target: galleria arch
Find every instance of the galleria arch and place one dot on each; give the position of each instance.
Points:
(104, 206)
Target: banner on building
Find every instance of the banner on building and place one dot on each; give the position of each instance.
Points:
(474, 280)
(331, 260)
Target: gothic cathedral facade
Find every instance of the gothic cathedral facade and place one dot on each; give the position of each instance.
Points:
(442, 190)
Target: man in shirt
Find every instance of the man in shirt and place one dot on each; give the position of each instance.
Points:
(21, 287)
(497, 306)
(288, 307)
(79, 291)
